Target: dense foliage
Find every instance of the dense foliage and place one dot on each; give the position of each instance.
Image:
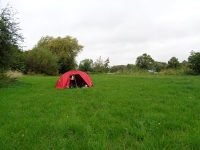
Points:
(9, 38)
(173, 63)
(41, 60)
(145, 61)
(66, 50)
(194, 62)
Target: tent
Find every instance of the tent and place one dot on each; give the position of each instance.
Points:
(80, 79)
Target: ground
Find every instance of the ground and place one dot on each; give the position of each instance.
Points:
(119, 112)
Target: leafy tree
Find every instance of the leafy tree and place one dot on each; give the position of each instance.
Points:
(41, 60)
(66, 49)
(194, 62)
(173, 63)
(145, 61)
(9, 37)
(86, 65)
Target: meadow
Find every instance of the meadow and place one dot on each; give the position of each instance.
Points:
(119, 112)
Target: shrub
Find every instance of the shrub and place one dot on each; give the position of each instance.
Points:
(40, 60)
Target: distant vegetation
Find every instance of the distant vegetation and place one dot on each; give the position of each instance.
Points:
(52, 55)
(56, 55)
(146, 64)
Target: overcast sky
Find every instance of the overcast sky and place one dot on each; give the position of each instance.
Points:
(118, 29)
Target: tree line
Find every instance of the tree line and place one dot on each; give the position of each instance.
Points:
(146, 63)
(56, 55)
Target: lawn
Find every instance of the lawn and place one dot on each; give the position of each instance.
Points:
(119, 112)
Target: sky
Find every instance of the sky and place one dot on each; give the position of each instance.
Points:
(119, 29)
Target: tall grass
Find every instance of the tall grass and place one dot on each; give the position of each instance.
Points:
(6, 80)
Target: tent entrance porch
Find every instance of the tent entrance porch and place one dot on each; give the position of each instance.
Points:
(77, 81)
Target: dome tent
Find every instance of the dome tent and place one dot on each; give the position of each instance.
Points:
(81, 79)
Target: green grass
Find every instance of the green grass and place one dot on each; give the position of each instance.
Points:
(119, 112)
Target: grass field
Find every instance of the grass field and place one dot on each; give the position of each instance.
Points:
(119, 112)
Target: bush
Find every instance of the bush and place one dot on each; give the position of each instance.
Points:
(40, 60)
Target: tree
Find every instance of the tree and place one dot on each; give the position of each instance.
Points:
(194, 62)
(66, 49)
(86, 65)
(173, 63)
(9, 37)
(145, 62)
(158, 66)
(41, 60)
(101, 66)
(18, 61)
(106, 64)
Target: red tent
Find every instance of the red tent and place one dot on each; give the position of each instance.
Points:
(81, 79)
